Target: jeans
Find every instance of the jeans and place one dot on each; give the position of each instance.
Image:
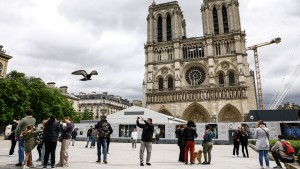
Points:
(89, 139)
(236, 147)
(21, 149)
(102, 142)
(278, 157)
(207, 147)
(189, 146)
(50, 148)
(13, 145)
(263, 153)
(148, 146)
(133, 142)
(181, 153)
(73, 141)
(39, 149)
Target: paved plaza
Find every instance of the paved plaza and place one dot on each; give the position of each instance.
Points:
(121, 156)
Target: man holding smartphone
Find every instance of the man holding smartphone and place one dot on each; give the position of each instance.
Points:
(146, 141)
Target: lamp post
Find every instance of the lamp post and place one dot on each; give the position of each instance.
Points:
(251, 117)
(103, 111)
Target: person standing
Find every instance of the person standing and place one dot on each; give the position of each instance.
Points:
(134, 137)
(104, 130)
(157, 134)
(29, 136)
(279, 154)
(74, 135)
(262, 142)
(189, 134)
(13, 137)
(24, 122)
(40, 144)
(89, 137)
(236, 142)
(207, 144)
(180, 142)
(244, 141)
(50, 135)
(66, 130)
(146, 141)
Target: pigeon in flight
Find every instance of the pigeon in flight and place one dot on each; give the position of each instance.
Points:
(84, 74)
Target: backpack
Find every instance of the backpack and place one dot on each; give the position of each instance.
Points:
(103, 131)
(287, 148)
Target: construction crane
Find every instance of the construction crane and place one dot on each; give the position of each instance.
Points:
(287, 86)
(257, 72)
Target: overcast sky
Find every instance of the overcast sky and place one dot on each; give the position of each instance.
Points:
(51, 38)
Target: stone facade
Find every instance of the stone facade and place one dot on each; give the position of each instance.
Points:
(3, 62)
(205, 79)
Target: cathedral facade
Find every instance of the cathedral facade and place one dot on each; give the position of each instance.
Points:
(205, 79)
(3, 62)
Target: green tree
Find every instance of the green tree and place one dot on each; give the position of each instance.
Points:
(19, 93)
(86, 115)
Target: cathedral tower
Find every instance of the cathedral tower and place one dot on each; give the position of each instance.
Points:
(206, 79)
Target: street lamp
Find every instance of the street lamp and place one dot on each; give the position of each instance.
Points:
(251, 118)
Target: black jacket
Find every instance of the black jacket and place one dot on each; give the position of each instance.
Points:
(51, 131)
(148, 129)
(189, 134)
(179, 136)
(104, 129)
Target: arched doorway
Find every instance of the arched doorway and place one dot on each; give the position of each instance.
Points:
(229, 113)
(197, 113)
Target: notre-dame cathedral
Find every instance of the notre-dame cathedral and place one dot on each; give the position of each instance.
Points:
(205, 79)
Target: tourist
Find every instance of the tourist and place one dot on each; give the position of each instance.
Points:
(207, 144)
(12, 136)
(189, 134)
(50, 135)
(40, 144)
(94, 134)
(279, 154)
(66, 129)
(89, 137)
(262, 142)
(244, 141)
(134, 137)
(74, 135)
(146, 141)
(24, 122)
(104, 130)
(29, 136)
(236, 142)
(180, 142)
(157, 134)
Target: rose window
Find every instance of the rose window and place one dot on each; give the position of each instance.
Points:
(195, 76)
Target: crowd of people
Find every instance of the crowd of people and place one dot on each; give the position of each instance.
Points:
(52, 131)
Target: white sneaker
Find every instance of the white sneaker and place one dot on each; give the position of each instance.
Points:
(25, 167)
(233, 156)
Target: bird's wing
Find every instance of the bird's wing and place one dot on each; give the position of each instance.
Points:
(80, 72)
(94, 72)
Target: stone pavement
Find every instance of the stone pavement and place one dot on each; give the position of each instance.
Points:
(121, 156)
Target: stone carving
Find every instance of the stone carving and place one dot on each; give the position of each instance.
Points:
(225, 66)
(164, 71)
(216, 62)
(233, 60)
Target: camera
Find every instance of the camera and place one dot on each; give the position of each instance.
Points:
(138, 118)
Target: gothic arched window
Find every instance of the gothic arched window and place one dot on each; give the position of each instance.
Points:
(225, 19)
(159, 29)
(215, 20)
(221, 79)
(169, 28)
(170, 83)
(231, 79)
(160, 84)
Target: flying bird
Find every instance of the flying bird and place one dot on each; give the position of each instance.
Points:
(84, 74)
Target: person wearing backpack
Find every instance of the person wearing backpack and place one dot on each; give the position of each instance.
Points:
(282, 151)
(104, 130)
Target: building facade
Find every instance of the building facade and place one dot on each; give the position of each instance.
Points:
(205, 79)
(101, 104)
(3, 62)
